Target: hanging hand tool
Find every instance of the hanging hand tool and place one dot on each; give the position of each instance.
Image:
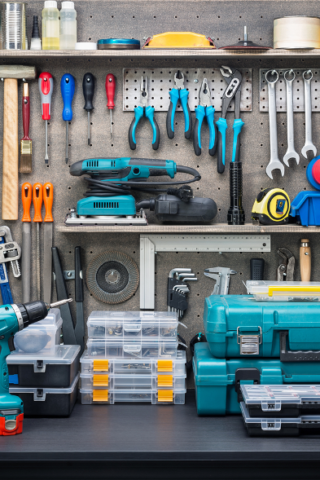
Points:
(308, 146)
(176, 94)
(67, 86)
(147, 111)
(291, 152)
(88, 85)
(46, 88)
(25, 142)
(177, 290)
(305, 260)
(37, 198)
(222, 277)
(26, 196)
(47, 242)
(79, 329)
(205, 109)
(10, 252)
(285, 271)
(274, 163)
(233, 79)
(110, 92)
(4, 282)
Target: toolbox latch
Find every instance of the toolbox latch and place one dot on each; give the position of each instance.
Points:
(39, 367)
(249, 344)
(39, 395)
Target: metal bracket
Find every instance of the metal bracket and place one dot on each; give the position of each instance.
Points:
(69, 274)
(151, 244)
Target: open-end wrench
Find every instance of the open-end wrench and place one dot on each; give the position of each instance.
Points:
(308, 146)
(274, 163)
(291, 152)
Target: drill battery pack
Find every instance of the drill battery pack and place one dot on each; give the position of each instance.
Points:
(11, 426)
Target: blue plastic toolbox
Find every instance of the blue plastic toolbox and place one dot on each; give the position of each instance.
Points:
(217, 381)
(239, 326)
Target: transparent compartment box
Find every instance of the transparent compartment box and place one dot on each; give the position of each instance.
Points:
(161, 397)
(137, 348)
(114, 325)
(269, 291)
(118, 366)
(42, 336)
(126, 382)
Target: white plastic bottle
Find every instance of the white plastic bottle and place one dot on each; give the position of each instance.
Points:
(50, 26)
(68, 26)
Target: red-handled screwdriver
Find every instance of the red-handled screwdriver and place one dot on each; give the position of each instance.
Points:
(110, 91)
(46, 88)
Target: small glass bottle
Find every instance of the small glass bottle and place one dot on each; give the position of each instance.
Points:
(68, 26)
(50, 26)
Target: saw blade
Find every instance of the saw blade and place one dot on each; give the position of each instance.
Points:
(112, 277)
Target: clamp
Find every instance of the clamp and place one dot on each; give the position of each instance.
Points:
(233, 90)
(205, 109)
(222, 277)
(285, 270)
(147, 111)
(182, 94)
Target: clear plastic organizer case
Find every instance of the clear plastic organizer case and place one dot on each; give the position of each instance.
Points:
(40, 337)
(118, 366)
(272, 291)
(125, 382)
(107, 396)
(115, 325)
(137, 348)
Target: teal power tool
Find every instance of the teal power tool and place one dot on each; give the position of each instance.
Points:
(176, 94)
(67, 85)
(113, 180)
(205, 109)
(12, 319)
(139, 112)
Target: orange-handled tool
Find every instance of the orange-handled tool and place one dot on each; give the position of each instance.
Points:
(26, 195)
(37, 205)
(47, 242)
(48, 201)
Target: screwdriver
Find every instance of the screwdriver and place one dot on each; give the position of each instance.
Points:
(26, 196)
(110, 91)
(37, 205)
(45, 83)
(67, 86)
(88, 92)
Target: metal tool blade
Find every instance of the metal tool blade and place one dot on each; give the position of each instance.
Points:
(26, 262)
(79, 297)
(47, 261)
(38, 261)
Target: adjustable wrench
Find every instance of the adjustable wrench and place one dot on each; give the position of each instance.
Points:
(308, 146)
(274, 163)
(290, 153)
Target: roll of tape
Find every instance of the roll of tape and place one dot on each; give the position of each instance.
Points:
(296, 32)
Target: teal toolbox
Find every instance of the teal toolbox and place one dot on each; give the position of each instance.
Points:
(216, 378)
(239, 326)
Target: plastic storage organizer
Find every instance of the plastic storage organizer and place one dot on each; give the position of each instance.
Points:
(153, 396)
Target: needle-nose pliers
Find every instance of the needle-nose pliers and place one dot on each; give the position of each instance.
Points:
(205, 109)
(182, 94)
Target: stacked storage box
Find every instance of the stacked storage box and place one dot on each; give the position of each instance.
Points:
(133, 357)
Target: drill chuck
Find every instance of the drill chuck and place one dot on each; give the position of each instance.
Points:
(32, 312)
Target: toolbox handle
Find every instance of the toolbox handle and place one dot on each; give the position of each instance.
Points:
(296, 355)
(245, 374)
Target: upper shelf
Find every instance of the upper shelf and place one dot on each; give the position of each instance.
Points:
(161, 53)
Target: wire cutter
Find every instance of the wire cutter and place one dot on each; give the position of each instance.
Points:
(139, 112)
(182, 94)
(205, 109)
(233, 78)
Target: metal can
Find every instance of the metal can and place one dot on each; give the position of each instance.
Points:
(296, 32)
(13, 26)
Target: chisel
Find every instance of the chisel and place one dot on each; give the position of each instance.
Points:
(47, 242)
(26, 195)
(79, 329)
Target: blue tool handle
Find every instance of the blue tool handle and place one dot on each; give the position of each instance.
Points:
(138, 114)
(149, 111)
(237, 127)
(174, 97)
(67, 86)
(184, 95)
(222, 129)
(4, 283)
(200, 113)
(213, 136)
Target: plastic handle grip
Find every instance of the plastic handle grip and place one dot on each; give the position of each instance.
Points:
(222, 129)
(37, 202)
(45, 83)
(79, 297)
(48, 201)
(149, 112)
(67, 86)
(200, 113)
(237, 127)
(212, 131)
(305, 261)
(88, 85)
(138, 114)
(26, 115)
(174, 97)
(184, 95)
(110, 90)
(26, 196)
(256, 268)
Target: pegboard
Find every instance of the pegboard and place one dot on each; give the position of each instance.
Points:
(297, 87)
(161, 81)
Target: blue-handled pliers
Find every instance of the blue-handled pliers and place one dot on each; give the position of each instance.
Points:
(182, 94)
(139, 112)
(233, 78)
(205, 109)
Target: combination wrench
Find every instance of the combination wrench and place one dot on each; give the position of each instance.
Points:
(308, 146)
(274, 163)
(291, 152)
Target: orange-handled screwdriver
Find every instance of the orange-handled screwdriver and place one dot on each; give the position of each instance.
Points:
(26, 196)
(37, 205)
(48, 241)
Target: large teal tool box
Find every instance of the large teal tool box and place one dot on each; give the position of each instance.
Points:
(217, 381)
(239, 326)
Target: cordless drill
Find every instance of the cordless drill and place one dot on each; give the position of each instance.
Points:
(12, 319)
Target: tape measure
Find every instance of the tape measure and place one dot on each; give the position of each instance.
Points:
(271, 207)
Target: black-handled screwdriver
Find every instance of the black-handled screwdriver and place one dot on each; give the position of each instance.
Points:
(88, 84)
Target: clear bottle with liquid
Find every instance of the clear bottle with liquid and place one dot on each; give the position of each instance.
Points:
(68, 26)
(50, 26)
